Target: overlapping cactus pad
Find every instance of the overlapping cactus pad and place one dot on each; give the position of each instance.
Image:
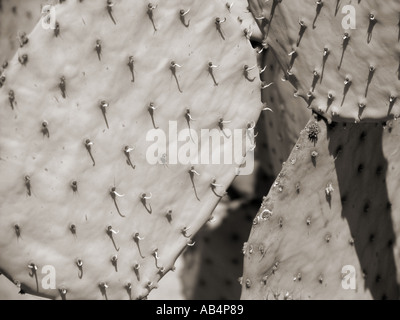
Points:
(332, 209)
(342, 58)
(78, 192)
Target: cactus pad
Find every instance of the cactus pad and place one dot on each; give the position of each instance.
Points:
(343, 59)
(80, 198)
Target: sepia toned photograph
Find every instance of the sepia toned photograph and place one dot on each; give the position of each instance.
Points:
(192, 150)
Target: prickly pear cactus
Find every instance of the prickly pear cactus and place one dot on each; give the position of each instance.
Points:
(341, 57)
(91, 205)
(328, 227)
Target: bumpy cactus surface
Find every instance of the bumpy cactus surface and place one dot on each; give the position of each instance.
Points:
(87, 189)
(342, 59)
(333, 205)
